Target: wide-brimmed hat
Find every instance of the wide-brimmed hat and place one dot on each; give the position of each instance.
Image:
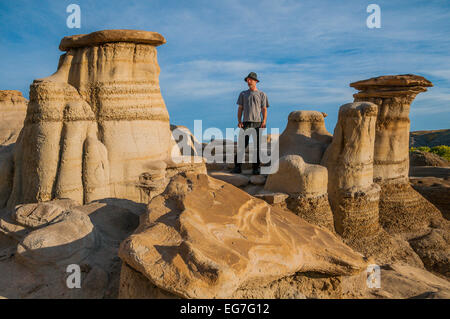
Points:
(252, 75)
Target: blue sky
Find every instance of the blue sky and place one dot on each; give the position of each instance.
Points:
(305, 52)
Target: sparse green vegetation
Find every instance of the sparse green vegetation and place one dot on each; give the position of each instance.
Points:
(441, 150)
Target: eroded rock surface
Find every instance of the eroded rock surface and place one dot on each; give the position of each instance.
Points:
(96, 124)
(353, 195)
(306, 185)
(204, 238)
(305, 135)
(393, 94)
(39, 241)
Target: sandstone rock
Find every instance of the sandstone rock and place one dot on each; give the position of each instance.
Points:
(68, 239)
(41, 214)
(400, 281)
(271, 197)
(203, 238)
(306, 185)
(353, 195)
(111, 36)
(393, 94)
(154, 180)
(13, 108)
(258, 179)
(305, 135)
(194, 164)
(237, 180)
(298, 286)
(419, 158)
(93, 126)
(435, 190)
(434, 250)
(36, 256)
(296, 176)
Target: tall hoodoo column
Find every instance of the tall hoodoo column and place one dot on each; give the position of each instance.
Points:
(401, 208)
(393, 94)
(351, 191)
(95, 125)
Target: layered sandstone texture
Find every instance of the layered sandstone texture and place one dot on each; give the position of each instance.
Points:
(204, 238)
(402, 209)
(13, 108)
(393, 94)
(96, 124)
(306, 185)
(39, 241)
(349, 159)
(305, 135)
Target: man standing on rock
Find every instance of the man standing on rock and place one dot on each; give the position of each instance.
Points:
(252, 103)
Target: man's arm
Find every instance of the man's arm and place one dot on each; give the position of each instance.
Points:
(264, 113)
(240, 116)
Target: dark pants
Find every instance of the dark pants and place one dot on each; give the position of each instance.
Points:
(256, 126)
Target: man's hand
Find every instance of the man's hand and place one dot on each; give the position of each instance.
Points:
(264, 112)
(240, 125)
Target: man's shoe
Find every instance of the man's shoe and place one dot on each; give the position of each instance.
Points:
(237, 170)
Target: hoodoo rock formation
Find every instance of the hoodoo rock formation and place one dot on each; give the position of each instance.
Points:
(305, 135)
(96, 178)
(13, 108)
(204, 238)
(93, 127)
(352, 193)
(401, 207)
(306, 185)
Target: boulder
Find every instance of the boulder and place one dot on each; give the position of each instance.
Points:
(306, 185)
(39, 241)
(204, 238)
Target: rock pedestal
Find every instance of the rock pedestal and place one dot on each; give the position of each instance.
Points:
(305, 135)
(96, 124)
(393, 94)
(349, 158)
(400, 206)
(306, 185)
